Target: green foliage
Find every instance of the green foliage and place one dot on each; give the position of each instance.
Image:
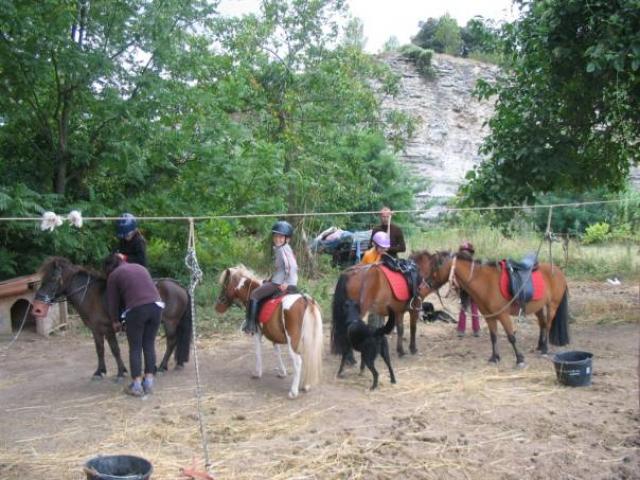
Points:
(447, 34)
(420, 57)
(596, 233)
(567, 109)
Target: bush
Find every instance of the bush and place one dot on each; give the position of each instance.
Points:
(596, 233)
(420, 57)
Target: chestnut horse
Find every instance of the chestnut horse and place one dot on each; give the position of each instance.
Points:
(86, 291)
(481, 282)
(296, 322)
(368, 287)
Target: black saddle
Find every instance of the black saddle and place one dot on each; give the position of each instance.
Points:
(521, 277)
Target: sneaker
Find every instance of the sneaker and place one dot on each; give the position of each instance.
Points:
(460, 334)
(476, 333)
(134, 389)
(147, 386)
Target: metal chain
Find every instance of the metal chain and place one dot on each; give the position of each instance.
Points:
(191, 261)
(15, 337)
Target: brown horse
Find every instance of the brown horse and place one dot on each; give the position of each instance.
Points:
(86, 289)
(481, 282)
(296, 322)
(368, 287)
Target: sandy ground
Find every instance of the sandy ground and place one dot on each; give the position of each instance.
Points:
(450, 416)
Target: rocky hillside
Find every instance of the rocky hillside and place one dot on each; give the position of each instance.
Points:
(452, 127)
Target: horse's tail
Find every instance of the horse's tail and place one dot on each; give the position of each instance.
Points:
(387, 327)
(339, 340)
(311, 340)
(184, 332)
(559, 333)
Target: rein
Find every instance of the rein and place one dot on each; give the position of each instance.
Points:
(62, 295)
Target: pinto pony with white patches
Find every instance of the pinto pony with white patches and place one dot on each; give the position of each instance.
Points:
(295, 322)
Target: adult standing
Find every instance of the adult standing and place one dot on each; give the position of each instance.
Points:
(131, 290)
(396, 237)
(132, 245)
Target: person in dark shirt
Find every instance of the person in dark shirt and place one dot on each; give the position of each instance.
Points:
(132, 244)
(395, 233)
(131, 290)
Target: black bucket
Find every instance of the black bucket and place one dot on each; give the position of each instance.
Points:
(118, 467)
(573, 368)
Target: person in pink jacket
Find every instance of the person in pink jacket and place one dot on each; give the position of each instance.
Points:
(465, 301)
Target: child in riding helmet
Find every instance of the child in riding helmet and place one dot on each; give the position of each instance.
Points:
(132, 245)
(465, 301)
(381, 244)
(284, 279)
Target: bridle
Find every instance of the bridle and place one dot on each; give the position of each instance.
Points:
(58, 296)
(224, 299)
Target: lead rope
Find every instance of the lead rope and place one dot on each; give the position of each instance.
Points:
(191, 261)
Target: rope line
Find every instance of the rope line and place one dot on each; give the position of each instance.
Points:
(191, 261)
(323, 214)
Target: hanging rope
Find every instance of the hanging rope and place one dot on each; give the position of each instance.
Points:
(191, 261)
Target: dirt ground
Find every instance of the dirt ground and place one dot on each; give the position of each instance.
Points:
(450, 416)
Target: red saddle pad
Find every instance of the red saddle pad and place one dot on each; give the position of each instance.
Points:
(398, 284)
(268, 307)
(536, 277)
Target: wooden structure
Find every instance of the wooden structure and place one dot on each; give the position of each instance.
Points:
(16, 297)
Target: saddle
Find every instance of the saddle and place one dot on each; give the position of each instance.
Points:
(409, 271)
(269, 304)
(521, 279)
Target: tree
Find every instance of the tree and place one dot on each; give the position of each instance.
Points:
(567, 112)
(426, 36)
(448, 35)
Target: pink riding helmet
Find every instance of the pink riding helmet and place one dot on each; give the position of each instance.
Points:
(382, 240)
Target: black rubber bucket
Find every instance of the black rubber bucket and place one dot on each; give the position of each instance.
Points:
(118, 467)
(573, 368)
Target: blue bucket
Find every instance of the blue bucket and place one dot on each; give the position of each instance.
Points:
(118, 467)
(573, 368)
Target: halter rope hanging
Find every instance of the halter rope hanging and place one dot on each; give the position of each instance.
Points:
(191, 261)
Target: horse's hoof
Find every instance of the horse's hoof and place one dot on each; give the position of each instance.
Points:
(180, 367)
(293, 394)
(414, 351)
(281, 375)
(119, 379)
(494, 360)
(306, 388)
(256, 375)
(97, 377)
(521, 365)
(401, 353)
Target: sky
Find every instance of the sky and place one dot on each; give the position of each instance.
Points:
(385, 18)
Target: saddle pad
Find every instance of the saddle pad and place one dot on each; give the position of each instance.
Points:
(268, 307)
(536, 278)
(398, 284)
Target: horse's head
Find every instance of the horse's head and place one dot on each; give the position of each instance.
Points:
(434, 268)
(236, 284)
(54, 273)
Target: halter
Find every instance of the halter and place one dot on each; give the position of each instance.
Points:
(57, 298)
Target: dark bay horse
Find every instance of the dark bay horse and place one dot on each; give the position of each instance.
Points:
(296, 322)
(481, 282)
(86, 289)
(369, 288)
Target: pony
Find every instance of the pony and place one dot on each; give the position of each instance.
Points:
(86, 291)
(295, 322)
(481, 281)
(357, 335)
(368, 286)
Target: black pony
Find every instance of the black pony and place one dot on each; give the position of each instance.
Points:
(85, 290)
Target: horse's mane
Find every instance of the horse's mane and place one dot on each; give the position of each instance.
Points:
(239, 270)
(66, 264)
(466, 256)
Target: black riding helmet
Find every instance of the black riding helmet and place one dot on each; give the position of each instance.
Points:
(283, 228)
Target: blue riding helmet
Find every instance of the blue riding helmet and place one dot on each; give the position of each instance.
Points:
(283, 228)
(126, 224)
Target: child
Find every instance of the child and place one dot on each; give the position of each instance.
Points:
(465, 300)
(283, 280)
(132, 246)
(381, 244)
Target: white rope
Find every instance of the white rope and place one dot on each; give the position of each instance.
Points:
(191, 261)
(322, 214)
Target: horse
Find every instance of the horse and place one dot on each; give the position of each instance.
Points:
(86, 291)
(296, 322)
(368, 286)
(481, 281)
